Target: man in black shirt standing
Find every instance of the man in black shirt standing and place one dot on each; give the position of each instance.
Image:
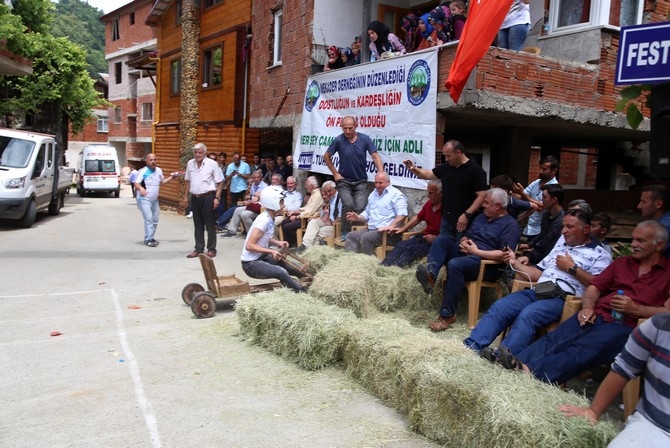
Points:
(463, 189)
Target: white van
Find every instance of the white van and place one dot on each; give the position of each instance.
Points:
(98, 170)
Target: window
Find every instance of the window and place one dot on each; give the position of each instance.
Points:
(118, 72)
(212, 60)
(103, 124)
(209, 3)
(567, 15)
(116, 34)
(147, 111)
(117, 114)
(131, 17)
(178, 12)
(275, 37)
(175, 77)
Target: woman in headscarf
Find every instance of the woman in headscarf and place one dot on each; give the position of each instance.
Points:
(347, 56)
(440, 21)
(334, 59)
(382, 40)
(427, 32)
(410, 24)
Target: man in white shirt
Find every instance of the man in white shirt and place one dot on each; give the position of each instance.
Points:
(533, 192)
(204, 180)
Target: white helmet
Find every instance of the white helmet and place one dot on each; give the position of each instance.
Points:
(271, 197)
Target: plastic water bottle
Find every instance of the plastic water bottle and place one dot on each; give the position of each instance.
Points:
(617, 315)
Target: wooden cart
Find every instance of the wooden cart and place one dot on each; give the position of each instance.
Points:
(203, 301)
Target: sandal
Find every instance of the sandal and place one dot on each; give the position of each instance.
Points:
(508, 360)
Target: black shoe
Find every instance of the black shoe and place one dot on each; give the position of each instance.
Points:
(489, 354)
(154, 241)
(424, 277)
(508, 360)
(151, 243)
(300, 249)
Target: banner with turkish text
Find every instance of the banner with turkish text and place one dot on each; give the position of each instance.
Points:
(392, 100)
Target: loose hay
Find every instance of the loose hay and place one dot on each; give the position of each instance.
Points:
(296, 326)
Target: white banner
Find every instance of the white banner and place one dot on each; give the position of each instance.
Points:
(393, 101)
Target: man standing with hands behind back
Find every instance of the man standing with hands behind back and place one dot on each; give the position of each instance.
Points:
(351, 177)
(204, 180)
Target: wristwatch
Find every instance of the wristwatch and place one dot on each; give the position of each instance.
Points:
(468, 215)
(573, 270)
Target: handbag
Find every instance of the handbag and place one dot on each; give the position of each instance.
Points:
(549, 290)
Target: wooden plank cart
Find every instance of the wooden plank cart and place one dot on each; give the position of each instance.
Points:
(203, 302)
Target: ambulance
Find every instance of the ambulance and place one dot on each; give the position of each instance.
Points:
(98, 170)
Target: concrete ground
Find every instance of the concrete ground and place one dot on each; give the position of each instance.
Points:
(98, 349)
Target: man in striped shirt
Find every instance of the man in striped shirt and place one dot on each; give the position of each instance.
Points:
(646, 351)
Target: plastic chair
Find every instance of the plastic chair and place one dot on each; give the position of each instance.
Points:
(474, 291)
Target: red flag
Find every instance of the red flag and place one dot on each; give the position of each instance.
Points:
(481, 27)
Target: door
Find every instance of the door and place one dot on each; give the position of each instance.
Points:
(43, 174)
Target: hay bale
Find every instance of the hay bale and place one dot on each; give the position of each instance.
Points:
(394, 288)
(465, 401)
(298, 327)
(347, 281)
(384, 354)
(320, 256)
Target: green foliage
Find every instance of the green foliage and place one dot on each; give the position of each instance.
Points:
(79, 22)
(630, 96)
(12, 30)
(59, 84)
(35, 14)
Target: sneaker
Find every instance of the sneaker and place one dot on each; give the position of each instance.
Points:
(228, 234)
(154, 241)
(425, 278)
(151, 243)
(300, 249)
(190, 215)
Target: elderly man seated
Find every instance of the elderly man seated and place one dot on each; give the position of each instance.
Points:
(489, 237)
(571, 265)
(632, 287)
(293, 220)
(250, 208)
(386, 209)
(322, 227)
(292, 200)
(414, 249)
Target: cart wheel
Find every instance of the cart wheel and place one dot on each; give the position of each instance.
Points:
(203, 304)
(189, 291)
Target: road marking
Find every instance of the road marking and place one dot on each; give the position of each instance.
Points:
(145, 406)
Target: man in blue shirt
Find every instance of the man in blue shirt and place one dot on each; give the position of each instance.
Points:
(490, 235)
(386, 210)
(237, 174)
(351, 176)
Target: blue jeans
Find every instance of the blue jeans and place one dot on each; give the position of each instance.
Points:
(354, 198)
(524, 312)
(407, 252)
(513, 37)
(571, 349)
(267, 267)
(149, 211)
(225, 217)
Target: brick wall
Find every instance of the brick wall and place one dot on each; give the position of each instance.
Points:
(130, 35)
(270, 84)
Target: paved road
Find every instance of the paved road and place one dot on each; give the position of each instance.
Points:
(122, 376)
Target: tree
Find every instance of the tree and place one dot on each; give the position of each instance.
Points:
(188, 121)
(80, 23)
(60, 91)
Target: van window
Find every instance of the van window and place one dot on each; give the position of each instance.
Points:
(100, 166)
(15, 153)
